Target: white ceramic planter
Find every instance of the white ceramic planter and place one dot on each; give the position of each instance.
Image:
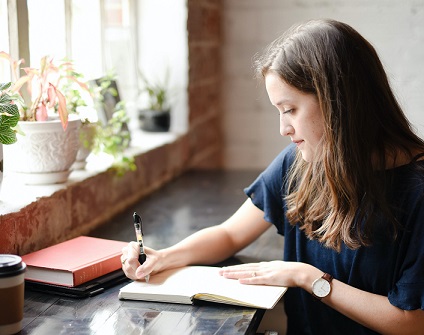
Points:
(45, 154)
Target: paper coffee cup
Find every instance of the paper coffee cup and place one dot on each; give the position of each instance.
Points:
(12, 279)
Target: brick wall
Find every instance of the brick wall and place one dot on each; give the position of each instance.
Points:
(204, 36)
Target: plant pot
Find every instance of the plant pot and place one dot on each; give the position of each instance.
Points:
(154, 121)
(45, 154)
(87, 133)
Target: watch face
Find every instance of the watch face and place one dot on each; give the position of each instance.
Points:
(321, 288)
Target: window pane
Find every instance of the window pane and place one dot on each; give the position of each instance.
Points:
(4, 41)
(86, 38)
(46, 29)
(119, 47)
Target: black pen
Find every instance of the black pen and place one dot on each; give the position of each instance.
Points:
(138, 225)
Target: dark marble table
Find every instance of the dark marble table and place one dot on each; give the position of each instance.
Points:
(195, 200)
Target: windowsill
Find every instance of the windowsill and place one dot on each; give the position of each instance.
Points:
(15, 195)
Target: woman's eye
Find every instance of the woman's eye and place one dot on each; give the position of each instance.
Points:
(288, 111)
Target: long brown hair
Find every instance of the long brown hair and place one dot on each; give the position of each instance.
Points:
(339, 197)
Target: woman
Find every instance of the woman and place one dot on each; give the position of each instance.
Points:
(347, 194)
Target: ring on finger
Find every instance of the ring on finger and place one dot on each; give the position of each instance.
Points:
(253, 274)
(123, 262)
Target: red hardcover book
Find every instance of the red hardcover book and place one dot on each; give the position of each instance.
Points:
(74, 262)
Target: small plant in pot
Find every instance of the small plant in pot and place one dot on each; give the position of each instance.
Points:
(112, 135)
(113, 139)
(80, 100)
(47, 151)
(9, 114)
(9, 117)
(102, 134)
(156, 116)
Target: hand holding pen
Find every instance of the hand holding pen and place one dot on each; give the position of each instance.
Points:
(138, 226)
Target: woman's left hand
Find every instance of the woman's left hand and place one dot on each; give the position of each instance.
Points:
(277, 273)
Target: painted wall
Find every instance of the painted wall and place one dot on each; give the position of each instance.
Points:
(250, 123)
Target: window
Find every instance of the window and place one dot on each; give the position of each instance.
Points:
(47, 34)
(119, 46)
(4, 40)
(103, 36)
(86, 37)
(94, 34)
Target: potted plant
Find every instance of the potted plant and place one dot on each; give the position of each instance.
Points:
(108, 136)
(47, 151)
(9, 117)
(112, 136)
(80, 100)
(9, 114)
(156, 115)
(113, 139)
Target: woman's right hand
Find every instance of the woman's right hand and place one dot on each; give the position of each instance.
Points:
(131, 266)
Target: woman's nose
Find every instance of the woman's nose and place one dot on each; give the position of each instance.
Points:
(286, 129)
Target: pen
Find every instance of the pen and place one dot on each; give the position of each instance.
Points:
(138, 225)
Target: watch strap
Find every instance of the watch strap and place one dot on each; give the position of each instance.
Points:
(327, 277)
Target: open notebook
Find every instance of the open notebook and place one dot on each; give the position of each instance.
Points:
(187, 284)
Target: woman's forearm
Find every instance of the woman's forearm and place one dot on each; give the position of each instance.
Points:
(207, 246)
(214, 244)
(371, 310)
(374, 311)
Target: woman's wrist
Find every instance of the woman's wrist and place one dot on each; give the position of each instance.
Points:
(169, 258)
(307, 275)
(162, 259)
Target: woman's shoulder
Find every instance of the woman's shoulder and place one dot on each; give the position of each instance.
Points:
(407, 185)
(412, 172)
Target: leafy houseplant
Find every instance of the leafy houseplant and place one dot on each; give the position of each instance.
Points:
(110, 136)
(80, 100)
(112, 139)
(48, 149)
(9, 117)
(9, 114)
(156, 116)
(42, 85)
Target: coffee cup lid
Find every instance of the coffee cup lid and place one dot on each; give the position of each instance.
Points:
(11, 265)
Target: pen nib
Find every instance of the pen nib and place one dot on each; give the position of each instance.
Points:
(136, 217)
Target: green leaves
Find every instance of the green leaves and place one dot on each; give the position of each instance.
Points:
(9, 115)
(113, 139)
(157, 93)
